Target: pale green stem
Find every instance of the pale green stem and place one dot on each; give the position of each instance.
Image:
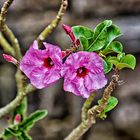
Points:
(6, 46)
(44, 34)
(87, 105)
(6, 30)
(16, 102)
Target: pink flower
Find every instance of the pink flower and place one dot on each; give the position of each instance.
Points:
(42, 67)
(83, 73)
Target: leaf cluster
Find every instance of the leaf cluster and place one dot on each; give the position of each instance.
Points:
(102, 41)
(20, 131)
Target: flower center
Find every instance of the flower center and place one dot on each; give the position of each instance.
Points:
(82, 72)
(48, 63)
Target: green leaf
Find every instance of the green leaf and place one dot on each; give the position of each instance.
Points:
(28, 122)
(128, 61)
(82, 31)
(14, 132)
(114, 46)
(113, 60)
(6, 134)
(107, 66)
(111, 104)
(21, 109)
(24, 136)
(112, 32)
(120, 56)
(84, 43)
(99, 38)
(101, 27)
(105, 38)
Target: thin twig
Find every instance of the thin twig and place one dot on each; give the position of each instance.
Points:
(94, 111)
(6, 30)
(16, 102)
(43, 35)
(6, 46)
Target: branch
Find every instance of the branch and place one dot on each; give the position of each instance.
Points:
(94, 111)
(87, 105)
(6, 30)
(6, 46)
(17, 101)
(54, 23)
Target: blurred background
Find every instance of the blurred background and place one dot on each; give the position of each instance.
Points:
(27, 18)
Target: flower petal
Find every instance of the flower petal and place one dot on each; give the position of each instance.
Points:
(33, 66)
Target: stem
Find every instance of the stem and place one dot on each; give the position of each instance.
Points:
(16, 102)
(6, 46)
(87, 105)
(94, 111)
(6, 30)
(54, 23)
(22, 108)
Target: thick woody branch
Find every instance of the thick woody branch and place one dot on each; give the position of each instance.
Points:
(6, 30)
(94, 111)
(43, 35)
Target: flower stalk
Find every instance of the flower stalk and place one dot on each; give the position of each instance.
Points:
(7, 31)
(6, 46)
(16, 102)
(44, 34)
(87, 105)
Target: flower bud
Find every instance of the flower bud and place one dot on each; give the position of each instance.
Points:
(63, 54)
(8, 119)
(17, 119)
(10, 59)
(69, 31)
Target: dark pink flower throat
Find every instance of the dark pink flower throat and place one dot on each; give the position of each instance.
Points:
(82, 72)
(48, 63)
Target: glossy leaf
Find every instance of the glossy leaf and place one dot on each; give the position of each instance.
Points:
(107, 66)
(99, 38)
(30, 120)
(105, 38)
(14, 132)
(114, 46)
(6, 134)
(101, 27)
(120, 56)
(24, 136)
(84, 43)
(112, 32)
(111, 104)
(82, 31)
(21, 109)
(128, 61)
(113, 60)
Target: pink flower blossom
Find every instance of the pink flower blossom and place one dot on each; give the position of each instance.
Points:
(42, 67)
(83, 73)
